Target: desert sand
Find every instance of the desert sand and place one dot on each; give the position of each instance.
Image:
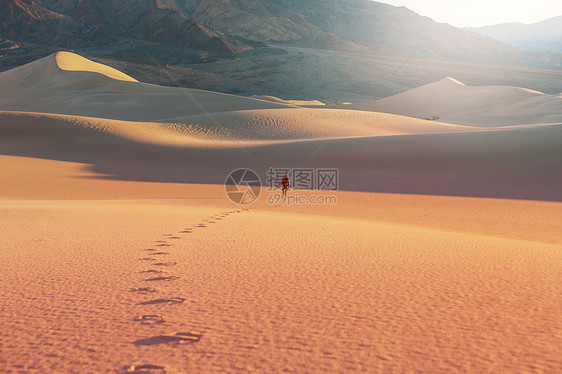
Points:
(452, 101)
(440, 252)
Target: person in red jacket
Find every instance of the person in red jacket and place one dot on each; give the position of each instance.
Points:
(285, 185)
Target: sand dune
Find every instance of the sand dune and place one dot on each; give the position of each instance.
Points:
(269, 98)
(65, 84)
(504, 163)
(73, 62)
(68, 84)
(454, 102)
(304, 103)
(301, 123)
(122, 253)
(229, 129)
(373, 151)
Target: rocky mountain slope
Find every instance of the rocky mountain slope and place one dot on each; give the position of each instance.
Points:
(83, 24)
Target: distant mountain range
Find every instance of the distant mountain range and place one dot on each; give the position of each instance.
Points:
(545, 35)
(352, 25)
(223, 28)
(117, 24)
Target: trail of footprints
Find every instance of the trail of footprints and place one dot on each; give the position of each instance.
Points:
(155, 275)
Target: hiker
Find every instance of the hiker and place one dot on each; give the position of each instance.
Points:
(285, 185)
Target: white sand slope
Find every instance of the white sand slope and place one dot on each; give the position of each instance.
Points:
(454, 102)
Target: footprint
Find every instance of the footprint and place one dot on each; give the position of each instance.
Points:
(163, 245)
(143, 290)
(200, 225)
(175, 237)
(147, 259)
(212, 222)
(169, 278)
(164, 263)
(186, 232)
(152, 271)
(149, 249)
(160, 253)
(145, 369)
(150, 319)
(160, 241)
(179, 338)
(174, 300)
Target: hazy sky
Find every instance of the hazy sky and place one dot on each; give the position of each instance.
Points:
(474, 13)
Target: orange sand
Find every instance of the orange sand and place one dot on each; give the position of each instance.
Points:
(453, 284)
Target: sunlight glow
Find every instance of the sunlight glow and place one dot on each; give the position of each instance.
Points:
(476, 13)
